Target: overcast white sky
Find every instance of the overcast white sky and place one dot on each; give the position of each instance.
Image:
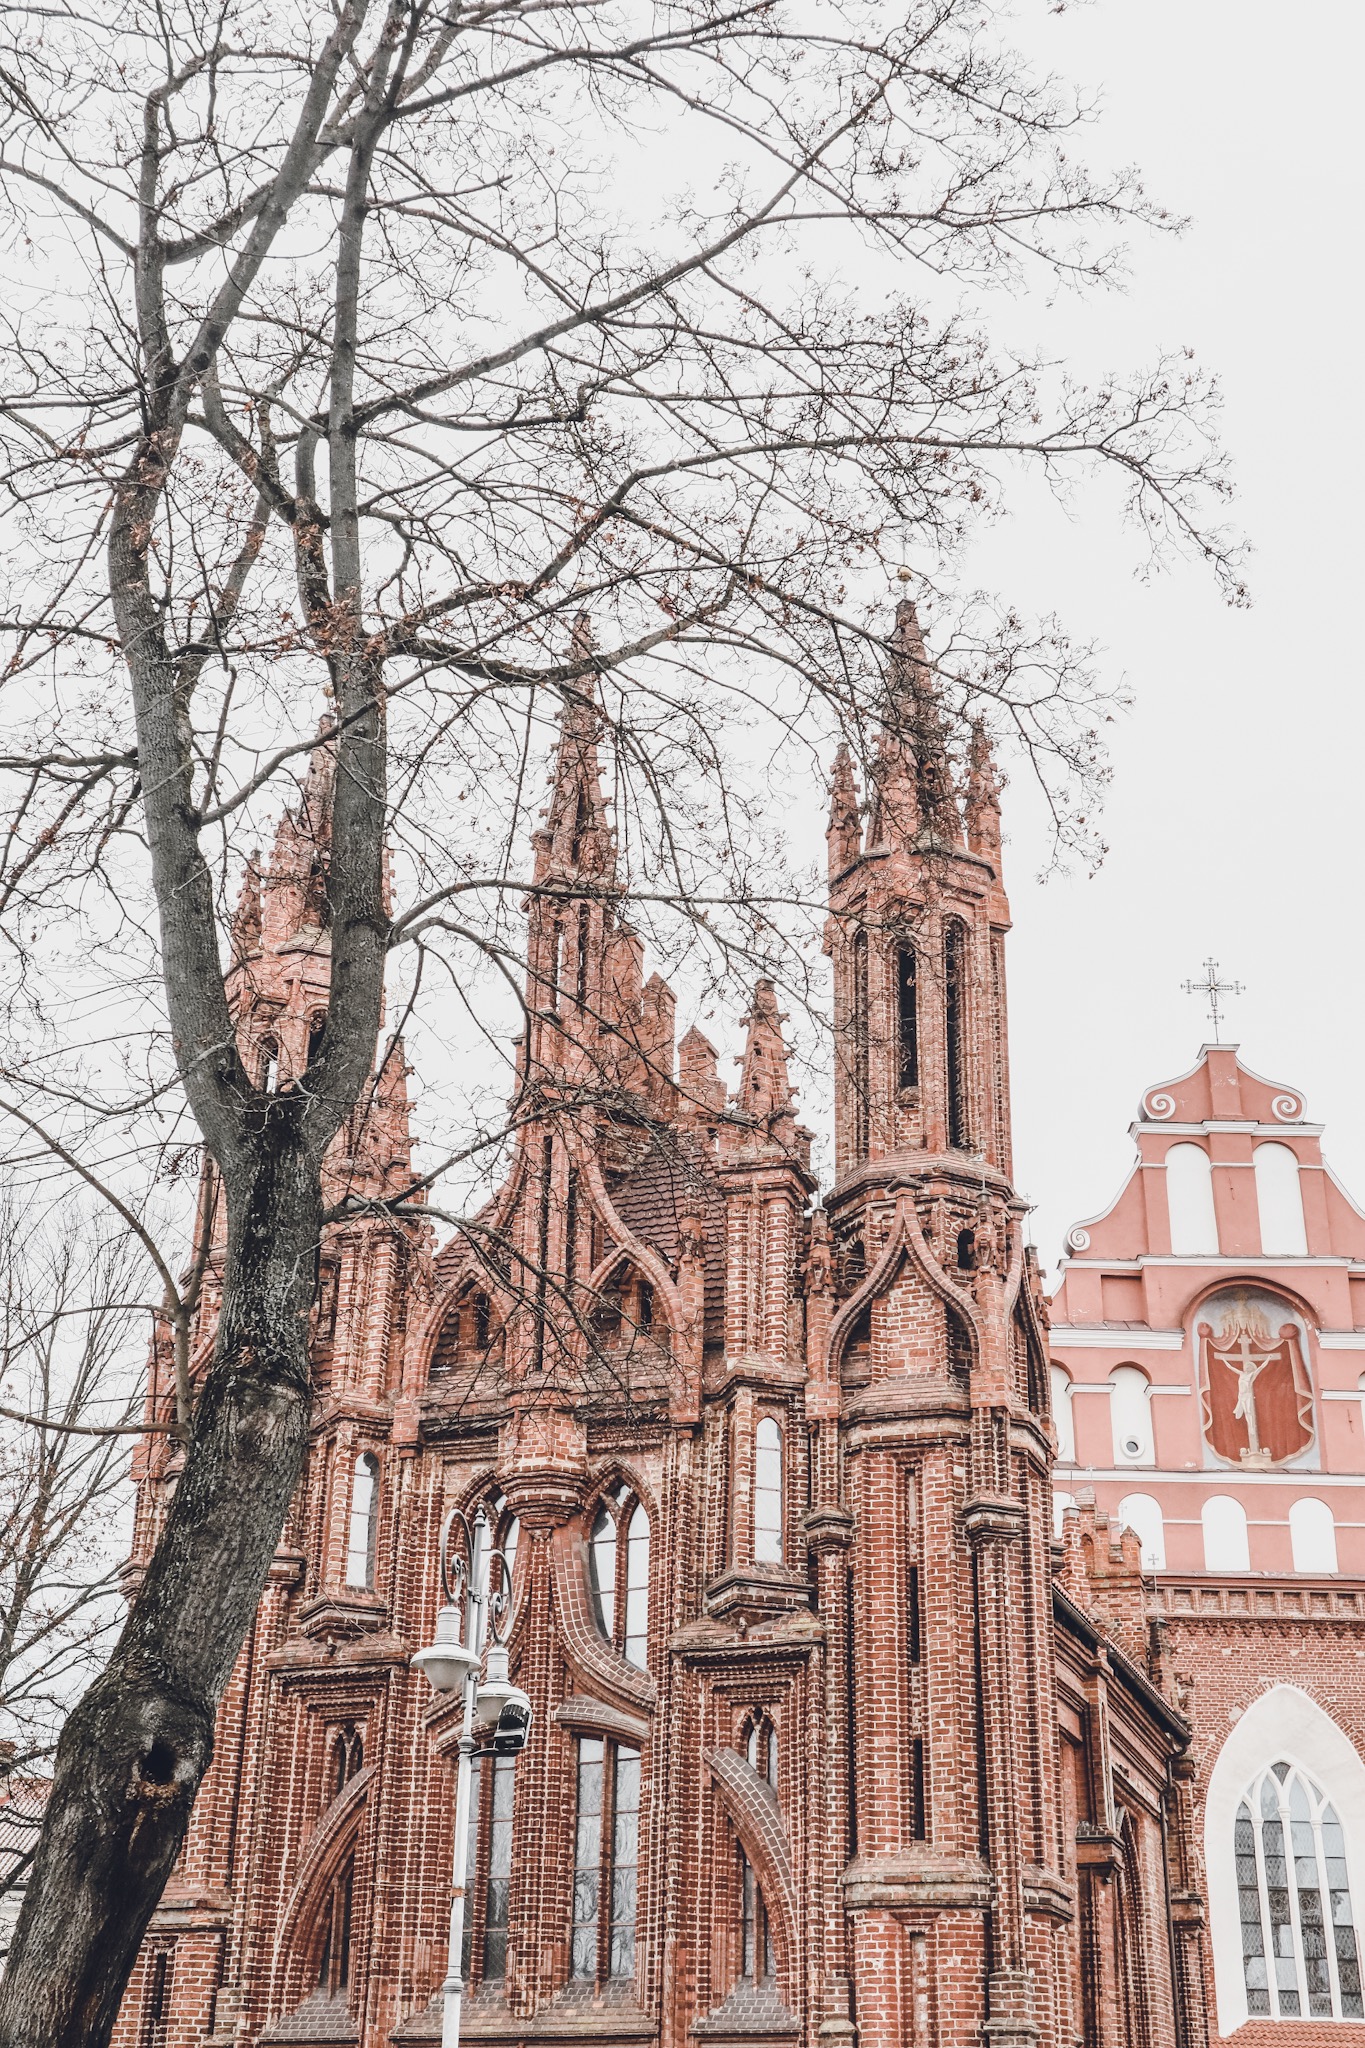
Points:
(1235, 817)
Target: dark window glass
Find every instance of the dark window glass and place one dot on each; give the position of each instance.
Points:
(907, 1017)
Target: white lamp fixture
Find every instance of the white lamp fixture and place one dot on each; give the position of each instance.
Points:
(448, 1661)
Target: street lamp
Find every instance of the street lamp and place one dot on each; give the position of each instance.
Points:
(452, 1663)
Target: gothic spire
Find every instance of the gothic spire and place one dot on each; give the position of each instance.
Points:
(983, 796)
(576, 839)
(844, 837)
(765, 1090)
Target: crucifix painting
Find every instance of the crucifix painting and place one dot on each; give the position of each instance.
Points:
(1258, 1404)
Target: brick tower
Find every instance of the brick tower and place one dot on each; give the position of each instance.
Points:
(937, 1352)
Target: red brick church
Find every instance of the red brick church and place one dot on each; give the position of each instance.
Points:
(835, 1742)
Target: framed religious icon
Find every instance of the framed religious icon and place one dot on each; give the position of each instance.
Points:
(1253, 1379)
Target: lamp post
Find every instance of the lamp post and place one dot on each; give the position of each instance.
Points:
(451, 1663)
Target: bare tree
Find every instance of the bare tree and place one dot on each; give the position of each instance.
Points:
(357, 352)
(72, 1340)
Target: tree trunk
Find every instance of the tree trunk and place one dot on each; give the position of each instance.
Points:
(133, 1752)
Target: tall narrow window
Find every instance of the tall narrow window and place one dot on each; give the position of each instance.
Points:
(334, 1958)
(761, 1749)
(618, 1574)
(1280, 1201)
(767, 1492)
(488, 1867)
(636, 1644)
(602, 1557)
(557, 971)
(756, 1949)
(907, 1017)
(1141, 1513)
(1313, 1535)
(1299, 1954)
(606, 1861)
(859, 1027)
(1224, 1522)
(1189, 1199)
(360, 1538)
(547, 1170)
(317, 1025)
(270, 1065)
(1130, 1416)
(498, 1885)
(580, 989)
(955, 1031)
(1062, 1417)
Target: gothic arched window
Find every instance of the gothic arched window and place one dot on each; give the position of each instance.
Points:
(859, 1029)
(907, 1017)
(760, 1748)
(618, 1570)
(768, 1492)
(955, 1030)
(360, 1536)
(1299, 1953)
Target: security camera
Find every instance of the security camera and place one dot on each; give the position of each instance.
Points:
(514, 1724)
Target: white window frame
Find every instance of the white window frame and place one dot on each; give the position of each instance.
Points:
(1284, 1725)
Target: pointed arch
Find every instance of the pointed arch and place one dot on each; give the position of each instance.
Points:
(1285, 1725)
(905, 1241)
(751, 1804)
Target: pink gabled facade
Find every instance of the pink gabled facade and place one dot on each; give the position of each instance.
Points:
(1208, 1348)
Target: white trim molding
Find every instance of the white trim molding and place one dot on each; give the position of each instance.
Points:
(1111, 1337)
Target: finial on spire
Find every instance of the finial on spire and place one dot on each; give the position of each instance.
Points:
(844, 837)
(246, 921)
(576, 838)
(765, 1090)
(983, 795)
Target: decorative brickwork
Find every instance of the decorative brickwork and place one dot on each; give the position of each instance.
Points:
(834, 1756)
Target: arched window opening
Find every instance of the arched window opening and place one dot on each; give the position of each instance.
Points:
(348, 1754)
(1063, 1419)
(317, 1025)
(1313, 1536)
(957, 1344)
(334, 1954)
(757, 1963)
(1062, 1503)
(760, 1748)
(1299, 1953)
(270, 1065)
(1224, 1522)
(859, 1028)
(955, 1031)
(768, 1492)
(966, 1250)
(1142, 1514)
(470, 1335)
(1130, 1416)
(626, 1312)
(636, 1644)
(1189, 1201)
(907, 1018)
(580, 986)
(1280, 1201)
(618, 1569)
(557, 989)
(360, 1538)
(606, 1862)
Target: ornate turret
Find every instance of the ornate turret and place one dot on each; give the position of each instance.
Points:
(931, 1355)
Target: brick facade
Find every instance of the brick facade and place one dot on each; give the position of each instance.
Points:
(859, 1755)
